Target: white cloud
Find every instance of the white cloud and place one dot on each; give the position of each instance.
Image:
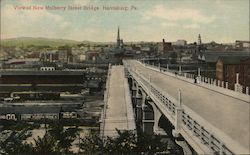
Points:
(178, 14)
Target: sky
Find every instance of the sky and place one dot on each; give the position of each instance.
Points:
(223, 21)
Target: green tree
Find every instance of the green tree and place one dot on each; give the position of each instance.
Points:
(124, 143)
(45, 145)
(14, 143)
(127, 142)
(63, 138)
(57, 140)
(92, 144)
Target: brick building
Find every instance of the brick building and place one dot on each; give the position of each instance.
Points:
(227, 67)
(164, 47)
(244, 78)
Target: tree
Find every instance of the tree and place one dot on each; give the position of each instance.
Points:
(63, 138)
(14, 143)
(55, 141)
(127, 142)
(45, 145)
(150, 144)
(92, 144)
(173, 57)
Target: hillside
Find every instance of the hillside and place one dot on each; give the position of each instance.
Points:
(27, 41)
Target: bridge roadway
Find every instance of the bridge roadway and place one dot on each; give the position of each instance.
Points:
(118, 112)
(226, 113)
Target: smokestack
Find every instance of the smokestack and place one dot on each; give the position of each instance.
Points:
(163, 40)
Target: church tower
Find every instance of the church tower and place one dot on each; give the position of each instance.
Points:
(199, 40)
(118, 42)
(199, 45)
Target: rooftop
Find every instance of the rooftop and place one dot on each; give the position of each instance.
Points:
(38, 72)
(34, 109)
(213, 56)
(232, 59)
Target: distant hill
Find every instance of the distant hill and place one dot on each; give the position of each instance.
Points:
(27, 41)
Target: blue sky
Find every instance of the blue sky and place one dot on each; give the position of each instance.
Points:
(216, 20)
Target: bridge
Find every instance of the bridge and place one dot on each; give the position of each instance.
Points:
(203, 118)
(118, 110)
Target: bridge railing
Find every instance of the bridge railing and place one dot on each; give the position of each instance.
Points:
(210, 83)
(192, 123)
(207, 134)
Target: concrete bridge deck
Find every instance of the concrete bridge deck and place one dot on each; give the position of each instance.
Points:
(228, 114)
(119, 112)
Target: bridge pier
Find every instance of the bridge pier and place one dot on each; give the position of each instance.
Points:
(147, 119)
(138, 109)
(137, 101)
(157, 115)
(133, 94)
(140, 98)
(146, 113)
(133, 88)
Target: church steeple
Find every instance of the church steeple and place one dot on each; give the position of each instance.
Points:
(118, 33)
(200, 47)
(199, 40)
(118, 43)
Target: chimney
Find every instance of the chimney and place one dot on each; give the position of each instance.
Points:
(163, 40)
